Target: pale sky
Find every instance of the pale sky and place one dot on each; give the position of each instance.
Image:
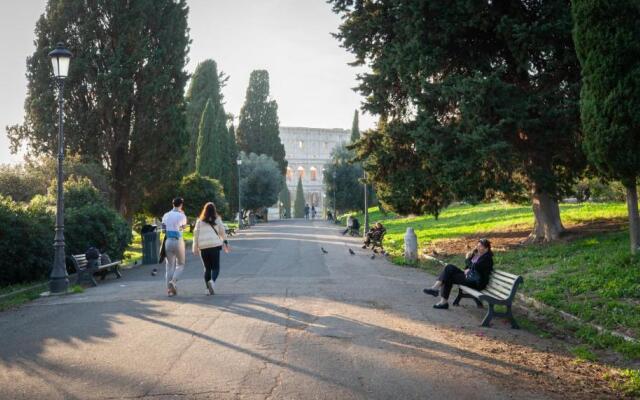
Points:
(309, 75)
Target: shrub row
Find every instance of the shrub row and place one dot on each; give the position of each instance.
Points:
(28, 229)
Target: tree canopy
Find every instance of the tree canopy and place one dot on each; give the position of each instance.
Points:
(197, 190)
(607, 37)
(474, 98)
(206, 85)
(124, 96)
(259, 127)
(348, 184)
(260, 181)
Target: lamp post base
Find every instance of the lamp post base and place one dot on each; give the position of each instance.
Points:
(58, 285)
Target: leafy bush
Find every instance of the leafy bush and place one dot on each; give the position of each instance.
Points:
(27, 243)
(16, 183)
(198, 190)
(90, 221)
(598, 190)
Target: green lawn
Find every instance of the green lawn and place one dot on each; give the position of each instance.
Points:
(463, 220)
(594, 278)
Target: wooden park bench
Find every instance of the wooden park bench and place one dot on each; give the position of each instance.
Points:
(86, 273)
(501, 290)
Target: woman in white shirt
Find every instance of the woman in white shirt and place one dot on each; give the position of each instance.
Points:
(208, 239)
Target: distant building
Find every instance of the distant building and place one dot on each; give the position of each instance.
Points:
(307, 150)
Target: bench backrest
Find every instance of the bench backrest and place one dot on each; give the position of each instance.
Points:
(80, 260)
(503, 285)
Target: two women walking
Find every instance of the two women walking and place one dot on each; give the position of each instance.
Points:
(209, 239)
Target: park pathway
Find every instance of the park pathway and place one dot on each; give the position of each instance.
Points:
(287, 322)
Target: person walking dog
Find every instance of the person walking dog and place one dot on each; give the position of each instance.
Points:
(209, 239)
(173, 223)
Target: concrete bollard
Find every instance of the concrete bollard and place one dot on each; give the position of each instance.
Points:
(410, 245)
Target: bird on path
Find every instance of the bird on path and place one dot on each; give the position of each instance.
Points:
(373, 256)
(323, 250)
(352, 252)
(154, 272)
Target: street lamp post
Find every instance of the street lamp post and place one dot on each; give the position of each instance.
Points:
(59, 279)
(239, 163)
(335, 188)
(366, 204)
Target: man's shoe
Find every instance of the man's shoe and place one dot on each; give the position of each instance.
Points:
(364, 246)
(443, 306)
(210, 288)
(433, 292)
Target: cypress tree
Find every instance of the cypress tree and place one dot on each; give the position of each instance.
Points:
(209, 147)
(206, 84)
(232, 156)
(259, 127)
(607, 37)
(124, 96)
(285, 198)
(355, 128)
(299, 203)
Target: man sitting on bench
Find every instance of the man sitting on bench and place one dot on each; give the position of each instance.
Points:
(374, 235)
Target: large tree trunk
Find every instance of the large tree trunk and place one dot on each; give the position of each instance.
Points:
(634, 219)
(548, 225)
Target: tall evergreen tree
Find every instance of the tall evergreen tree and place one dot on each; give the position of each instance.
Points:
(206, 84)
(355, 128)
(474, 98)
(285, 199)
(299, 203)
(209, 155)
(607, 37)
(259, 127)
(232, 156)
(124, 97)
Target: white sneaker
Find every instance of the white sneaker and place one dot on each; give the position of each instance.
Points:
(173, 288)
(210, 285)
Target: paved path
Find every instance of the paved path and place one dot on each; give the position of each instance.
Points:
(287, 322)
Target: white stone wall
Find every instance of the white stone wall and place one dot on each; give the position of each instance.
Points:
(307, 151)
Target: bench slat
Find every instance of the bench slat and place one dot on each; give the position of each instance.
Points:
(506, 280)
(498, 293)
(495, 282)
(502, 289)
(505, 274)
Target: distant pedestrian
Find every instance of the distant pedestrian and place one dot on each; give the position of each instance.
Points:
(306, 211)
(313, 212)
(173, 223)
(208, 240)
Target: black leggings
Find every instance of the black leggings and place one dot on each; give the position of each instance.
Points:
(451, 275)
(211, 261)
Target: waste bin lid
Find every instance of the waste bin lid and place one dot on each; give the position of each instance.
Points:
(148, 229)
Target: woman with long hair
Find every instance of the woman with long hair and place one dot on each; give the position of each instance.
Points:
(478, 267)
(208, 240)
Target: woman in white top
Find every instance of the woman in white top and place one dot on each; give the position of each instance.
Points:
(208, 239)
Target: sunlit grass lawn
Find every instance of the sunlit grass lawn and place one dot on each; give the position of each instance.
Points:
(463, 220)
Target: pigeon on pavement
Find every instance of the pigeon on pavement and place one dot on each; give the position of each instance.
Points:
(323, 250)
(351, 252)
(373, 256)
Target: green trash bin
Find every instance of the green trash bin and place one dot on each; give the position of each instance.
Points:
(150, 244)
